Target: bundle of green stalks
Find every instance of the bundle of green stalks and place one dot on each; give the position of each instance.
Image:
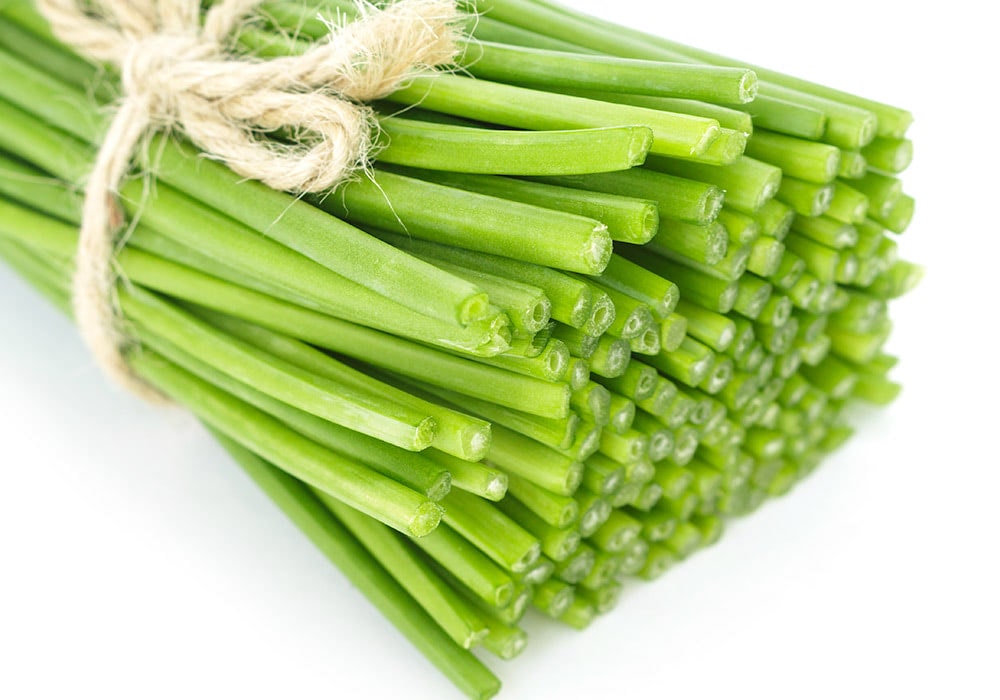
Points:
(593, 299)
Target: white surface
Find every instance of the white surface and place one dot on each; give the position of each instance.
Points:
(137, 562)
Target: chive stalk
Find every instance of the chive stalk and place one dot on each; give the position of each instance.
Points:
(677, 135)
(337, 544)
(628, 219)
(748, 183)
(451, 148)
(451, 216)
(553, 69)
(678, 198)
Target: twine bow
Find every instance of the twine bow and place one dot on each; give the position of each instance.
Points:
(178, 71)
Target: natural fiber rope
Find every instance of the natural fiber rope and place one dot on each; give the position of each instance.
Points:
(179, 72)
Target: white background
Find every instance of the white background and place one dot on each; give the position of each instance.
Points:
(137, 562)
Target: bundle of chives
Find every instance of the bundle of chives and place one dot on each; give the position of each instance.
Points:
(633, 287)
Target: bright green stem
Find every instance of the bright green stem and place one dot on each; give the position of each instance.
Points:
(859, 348)
(551, 364)
(649, 343)
(711, 528)
(741, 228)
(891, 121)
(726, 149)
(611, 357)
(628, 219)
(474, 477)
(499, 537)
(731, 118)
(744, 337)
(622, 414)
(305, 510)
(832, 376)
(421, 144)
(489, 29)
(806, 198)
(785, 117)
(657, 523)
(547, 69)
(577, 566)
(452, 216)
(711, 328)
(603, 476)
(617, 533)
(338, 402)
(554, 598)
(504, 641)
(483, 578)
(661, 295)
(633, 317)
(572, 300)
(557, 510)
(535, 462)
(29, 185)
(606, 599)
(806, 160)
(606, 567)
(659, 561)
(848, 204)
(775, 219)
(661, 438)
(778, 339)
(673, 331)
(897, 219)
(677, 135)
(452, 612)
(899, 279)
(527, 307)
(43, 275)
(557, 544)
(829, 232)
(592, 403)
(790, 270)
(876, 390)
(29, 37)
(731, 267)
(685, 541)
(626, 495)
(889, 154)
(413, 470)
(706, 290)
(638, 382)
(748, 183)
(703, 244)
(345, 480)
(678, 198)
(627, 448)
(457, 433)
(847, 126)
(820, 260)
(852, 165)
(578, 373)
(766, 254)
(580, 343)
(776, 311)
(690, 363)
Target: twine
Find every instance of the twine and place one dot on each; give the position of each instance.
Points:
(179, 71)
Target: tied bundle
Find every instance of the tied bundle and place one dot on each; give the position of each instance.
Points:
(175, 73)
(494, 338)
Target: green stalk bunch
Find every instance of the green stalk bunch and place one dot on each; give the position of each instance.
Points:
(599, 294)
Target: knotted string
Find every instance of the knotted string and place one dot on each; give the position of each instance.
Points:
(179, 71)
